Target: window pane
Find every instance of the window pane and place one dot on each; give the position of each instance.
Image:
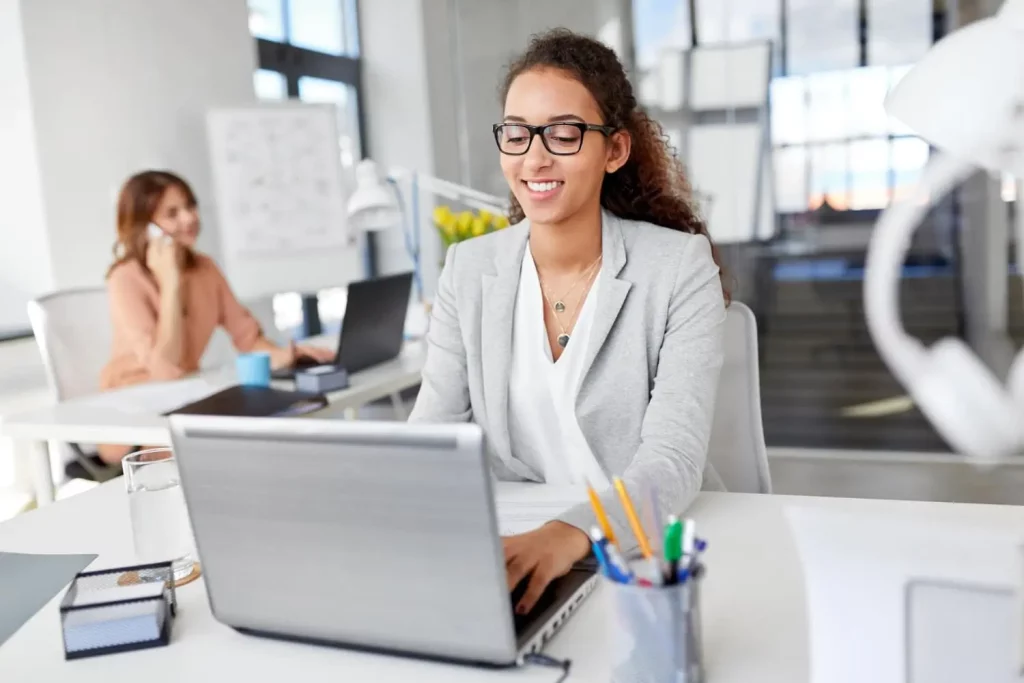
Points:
(791, 179)
(909, 155)
(317, 25)
(344, 97)
(869, 174)
(671, 76)
(266, 19)
(822, 35)
(657, 25)
(899, 31)
(789, 110)
(287, 311)
(740, 21)
(1009, 189)
(270, 85)
(829, 176)
(829, 114)
(868, 88)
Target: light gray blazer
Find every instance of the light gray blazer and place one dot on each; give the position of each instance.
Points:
(647, 392)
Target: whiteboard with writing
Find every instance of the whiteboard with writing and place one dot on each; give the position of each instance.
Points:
(280, 198)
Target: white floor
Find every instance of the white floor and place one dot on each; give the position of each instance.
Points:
(794, 471)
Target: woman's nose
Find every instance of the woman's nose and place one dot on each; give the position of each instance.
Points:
(538, 156)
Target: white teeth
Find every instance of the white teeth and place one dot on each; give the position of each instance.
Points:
(543, 187)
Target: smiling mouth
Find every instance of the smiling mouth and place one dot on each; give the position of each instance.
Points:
(547, 186)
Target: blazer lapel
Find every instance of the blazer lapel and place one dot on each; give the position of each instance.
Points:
(613, 291)
(499, 299)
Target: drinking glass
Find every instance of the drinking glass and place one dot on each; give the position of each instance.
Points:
(161, 528)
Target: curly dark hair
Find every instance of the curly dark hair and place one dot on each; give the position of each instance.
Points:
(651, 186)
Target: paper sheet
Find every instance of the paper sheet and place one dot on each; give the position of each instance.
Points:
(28, 582)
(857, 570)
(523, 507)
(157, 398)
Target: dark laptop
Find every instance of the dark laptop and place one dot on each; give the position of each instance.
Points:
(373, 328)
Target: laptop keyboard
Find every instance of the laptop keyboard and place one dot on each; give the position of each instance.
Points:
(523, 621)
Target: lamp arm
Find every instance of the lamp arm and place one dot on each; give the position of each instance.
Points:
(454, 191)
(887, 250)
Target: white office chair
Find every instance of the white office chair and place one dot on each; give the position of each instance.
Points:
(736, 447)
(72, 330)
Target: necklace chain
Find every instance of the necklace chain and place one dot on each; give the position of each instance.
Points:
(563, 338)
(560, 301)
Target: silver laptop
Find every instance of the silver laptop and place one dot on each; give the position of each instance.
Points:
(372, 535)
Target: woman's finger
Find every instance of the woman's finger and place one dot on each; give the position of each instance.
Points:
(517, 569)
(541, 576)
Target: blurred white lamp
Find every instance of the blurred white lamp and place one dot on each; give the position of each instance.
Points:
(377, 204)
(965, 97)
(373, 206)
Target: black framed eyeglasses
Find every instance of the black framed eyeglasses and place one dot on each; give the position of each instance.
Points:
(562, 139)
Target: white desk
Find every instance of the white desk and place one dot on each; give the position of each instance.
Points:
(77, 421)
(755, 628)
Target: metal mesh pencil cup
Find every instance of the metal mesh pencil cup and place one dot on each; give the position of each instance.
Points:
(655, 632)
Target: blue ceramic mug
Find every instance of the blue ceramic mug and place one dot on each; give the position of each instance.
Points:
(253, 369)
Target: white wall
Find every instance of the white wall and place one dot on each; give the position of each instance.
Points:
(396, 98)
(24, 258)
(119, 86)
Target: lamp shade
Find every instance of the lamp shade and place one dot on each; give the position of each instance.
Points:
(372, 206)
(966, 96)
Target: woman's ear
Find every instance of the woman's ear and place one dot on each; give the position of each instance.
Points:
(619, 145)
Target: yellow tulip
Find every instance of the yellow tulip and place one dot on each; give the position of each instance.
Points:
(478, 227)
(441, 214)
(486, 216)
(500, 222)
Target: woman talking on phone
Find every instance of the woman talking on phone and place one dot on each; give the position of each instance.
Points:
(166, 298)
(586, 339)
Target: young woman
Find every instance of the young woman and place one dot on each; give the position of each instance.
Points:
(166, 298)
(586, 339)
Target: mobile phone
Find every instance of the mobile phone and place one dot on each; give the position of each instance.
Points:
(155, 232)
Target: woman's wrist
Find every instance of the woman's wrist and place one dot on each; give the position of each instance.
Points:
(575, 538)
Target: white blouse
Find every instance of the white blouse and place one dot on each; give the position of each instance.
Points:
(542, 393)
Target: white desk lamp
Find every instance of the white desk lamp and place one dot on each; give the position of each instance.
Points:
(374, 206)
(965, 97)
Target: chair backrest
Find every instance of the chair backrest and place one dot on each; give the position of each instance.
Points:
(72, 329)
(737, 448)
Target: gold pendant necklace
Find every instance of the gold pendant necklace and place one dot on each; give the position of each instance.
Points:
(563, 338)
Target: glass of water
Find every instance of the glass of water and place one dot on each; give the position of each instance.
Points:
(160, 524)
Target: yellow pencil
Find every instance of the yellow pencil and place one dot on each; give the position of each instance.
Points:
(602, 518)
(634, 521)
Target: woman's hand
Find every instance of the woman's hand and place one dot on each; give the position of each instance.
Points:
(163, 261)
(285, 356)
(280, 356)
(543, 554)
(321, 354)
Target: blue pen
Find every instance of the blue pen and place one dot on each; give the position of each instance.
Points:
(614, 566)
(598, 548)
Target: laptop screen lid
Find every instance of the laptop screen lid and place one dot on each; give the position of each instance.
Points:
(367, 534)
(373, 328)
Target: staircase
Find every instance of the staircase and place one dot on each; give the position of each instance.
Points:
(817, 360)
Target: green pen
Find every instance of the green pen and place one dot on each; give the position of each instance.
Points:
(673, 548)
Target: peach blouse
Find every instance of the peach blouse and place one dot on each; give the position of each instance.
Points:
(207, 302)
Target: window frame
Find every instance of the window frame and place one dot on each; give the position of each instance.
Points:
(294, 62)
